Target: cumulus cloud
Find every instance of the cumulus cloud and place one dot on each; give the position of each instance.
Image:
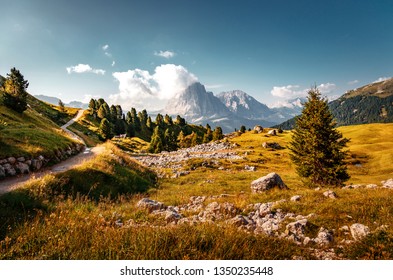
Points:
(288, 91)
(326, 88)
(381, 79)
(84, 68)
(105, 47)
(165, 54)
(293, 91)
(141, 89)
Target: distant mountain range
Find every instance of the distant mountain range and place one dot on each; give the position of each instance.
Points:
(229, 110)
(372, 103)
(55, 101)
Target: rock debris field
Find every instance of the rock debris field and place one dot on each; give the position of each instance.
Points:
(262, 218)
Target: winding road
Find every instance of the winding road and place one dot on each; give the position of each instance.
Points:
(12, 183)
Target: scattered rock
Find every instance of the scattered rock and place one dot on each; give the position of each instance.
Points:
(258, 129)
(22, 168)
(296, 198)
(272, 132)
(21, 159)
(324, 237)
(330, 194)
(250, 168)
(11, 160)
(296, 229)
(172, 216)
(9, 170)
(239, 221)
(271, 145)
(36, 164)
(371, 186)
(359, 231)
(150, 205)
(388, 184)
(2, 172)
(267, 182)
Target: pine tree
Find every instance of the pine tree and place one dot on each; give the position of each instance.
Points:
(61, 106)
(106, 129)
(92, 106)
(242, 129)
(217, 134)
(156, 145)
(316, 146)
(15, 95)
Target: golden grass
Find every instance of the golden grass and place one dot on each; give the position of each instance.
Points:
(55, 221)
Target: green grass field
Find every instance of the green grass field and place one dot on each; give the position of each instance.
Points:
(29, 134)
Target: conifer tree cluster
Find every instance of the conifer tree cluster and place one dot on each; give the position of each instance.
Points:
(317, 147)
(164, 133)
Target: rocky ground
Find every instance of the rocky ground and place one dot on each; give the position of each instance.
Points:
(213, 152)
(260, 218)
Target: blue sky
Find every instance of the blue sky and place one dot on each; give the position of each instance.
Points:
(140, 53)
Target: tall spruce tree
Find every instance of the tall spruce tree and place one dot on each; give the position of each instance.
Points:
(317, 147)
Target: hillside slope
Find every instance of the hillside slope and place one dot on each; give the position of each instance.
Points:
(33, 132)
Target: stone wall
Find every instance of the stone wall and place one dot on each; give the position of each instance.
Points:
(13, 166)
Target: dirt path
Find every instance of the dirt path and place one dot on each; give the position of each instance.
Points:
(12, 183)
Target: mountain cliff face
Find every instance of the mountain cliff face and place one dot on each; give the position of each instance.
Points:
(195, 102)
(244, 105)
(198, 106)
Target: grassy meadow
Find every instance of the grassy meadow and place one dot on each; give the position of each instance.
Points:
(30, 134)
(76, 215)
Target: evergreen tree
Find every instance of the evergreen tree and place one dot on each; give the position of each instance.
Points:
(242, 129)
(181, 140)
(104, 111)
(316, 146)
(106, 129)
(208, 136)
(119, 112)
(130, 130)
(217, 133)
(61, 105)
(180, 121)
(156, 145)
(113, 113)
(170, 140)
(135, 120)
(168, 120)
(159, 120)
(92, 106)
(194, 139)
(149, 123)
(15, 95)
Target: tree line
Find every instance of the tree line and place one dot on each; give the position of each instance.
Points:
(164, 133)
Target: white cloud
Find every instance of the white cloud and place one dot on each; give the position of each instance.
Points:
(84, 68)
(353, 82)
(138, 88)
(326, 88)
(293, 91)
(113, 63)
(165, 54)
(381, 79)
(289, 91)
(105, 47)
